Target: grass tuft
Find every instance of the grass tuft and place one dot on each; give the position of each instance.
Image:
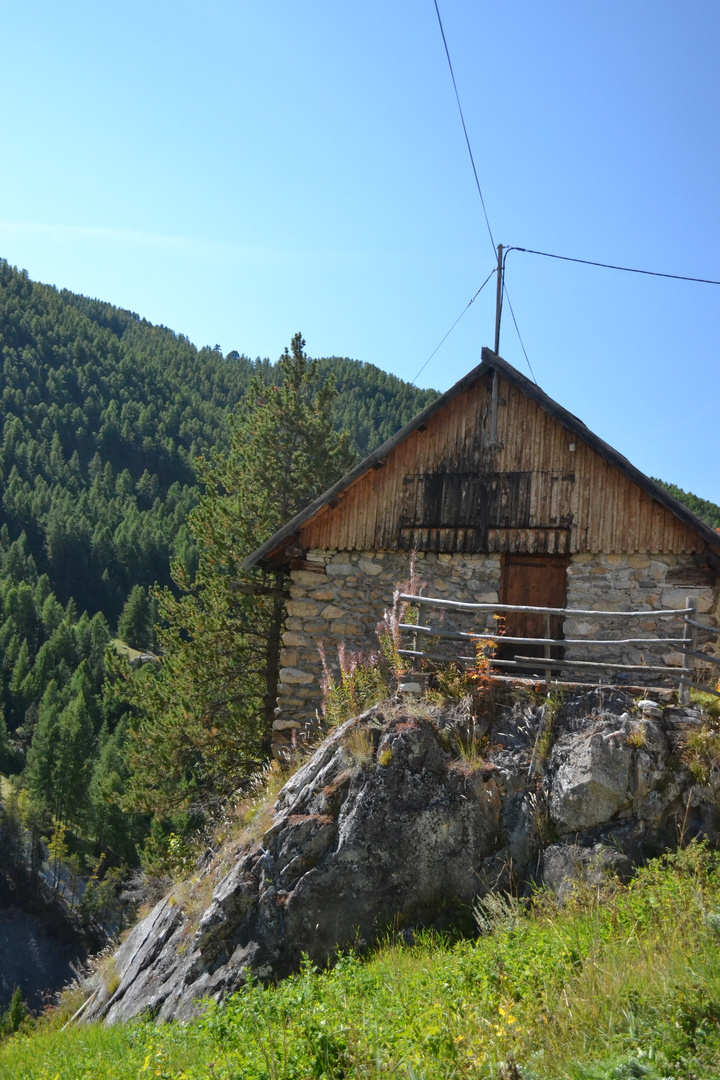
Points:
(360, 746)
(709, 703)
(637, 737)
(701, 752)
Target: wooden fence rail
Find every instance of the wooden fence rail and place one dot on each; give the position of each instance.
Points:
(550, 664)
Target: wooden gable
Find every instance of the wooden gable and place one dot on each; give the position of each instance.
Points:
(491, 471)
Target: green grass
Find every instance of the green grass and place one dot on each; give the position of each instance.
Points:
(622, 982)
(130, 654)
(709, 703)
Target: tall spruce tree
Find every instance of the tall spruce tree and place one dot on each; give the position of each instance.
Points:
(203, 716)
(61, 757)
(135, 626)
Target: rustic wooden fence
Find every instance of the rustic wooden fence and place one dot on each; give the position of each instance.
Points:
(551, 663)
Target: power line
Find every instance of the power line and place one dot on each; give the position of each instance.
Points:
(462, 118)
(482, 201)
(610, 266)
(472, 301)
(517, 329)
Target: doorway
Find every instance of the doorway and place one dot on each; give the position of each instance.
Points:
(533, 581)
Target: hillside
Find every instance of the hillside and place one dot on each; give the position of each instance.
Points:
(622, 983)
(103, 418)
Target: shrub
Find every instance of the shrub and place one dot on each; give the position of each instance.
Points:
(362, 683)
(13, 1017)
(453, 683)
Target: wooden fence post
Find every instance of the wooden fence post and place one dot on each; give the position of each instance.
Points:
(417, 661)
(688, 643)
(548, 672)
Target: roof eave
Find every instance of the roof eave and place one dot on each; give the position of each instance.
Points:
(262, 556)
(614, 457)
(276, 542)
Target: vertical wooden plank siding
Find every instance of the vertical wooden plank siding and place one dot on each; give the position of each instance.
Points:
(448, 488)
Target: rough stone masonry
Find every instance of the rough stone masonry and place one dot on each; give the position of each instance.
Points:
(344, 599)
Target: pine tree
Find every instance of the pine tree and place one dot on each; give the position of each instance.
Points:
(4, 743)
(74, 761)
(61, 757)
(21, 669)
(205, 714)
(135, 626)
(114, 831)
(41, 756)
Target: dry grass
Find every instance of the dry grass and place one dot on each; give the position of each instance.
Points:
(472, 752)
(546, 734)
(242, 823)
(110, 975)
(360, 746)
(636, 735)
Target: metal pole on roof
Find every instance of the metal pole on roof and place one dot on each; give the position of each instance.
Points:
(498, 301)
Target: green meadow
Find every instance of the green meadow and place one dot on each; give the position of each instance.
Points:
(621, 982)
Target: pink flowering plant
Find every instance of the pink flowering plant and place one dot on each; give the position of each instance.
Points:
(364, 678)
(389, 631)
(361, 683)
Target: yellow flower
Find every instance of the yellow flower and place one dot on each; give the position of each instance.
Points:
(506, 1014)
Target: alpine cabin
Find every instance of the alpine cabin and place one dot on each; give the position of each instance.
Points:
(506, 497)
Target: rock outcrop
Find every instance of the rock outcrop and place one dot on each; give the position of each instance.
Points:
(400, 819)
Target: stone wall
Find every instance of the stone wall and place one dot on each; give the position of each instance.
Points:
(346, 602)
(634, 583)
(346, 599)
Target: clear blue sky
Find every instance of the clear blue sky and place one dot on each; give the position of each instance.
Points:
(242, 170)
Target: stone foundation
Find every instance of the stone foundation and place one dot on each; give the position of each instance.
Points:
(634, 583)
(345, 600)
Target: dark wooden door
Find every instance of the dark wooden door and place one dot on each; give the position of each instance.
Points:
(533, 581)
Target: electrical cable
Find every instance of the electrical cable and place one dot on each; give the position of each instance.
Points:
(610, 266)
(462, 118)
(517, 329)
(482, 201)
(472, 301)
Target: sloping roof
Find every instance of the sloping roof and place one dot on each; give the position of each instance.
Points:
(489, 362)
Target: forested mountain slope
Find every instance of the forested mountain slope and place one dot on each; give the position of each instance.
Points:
(103, 415)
